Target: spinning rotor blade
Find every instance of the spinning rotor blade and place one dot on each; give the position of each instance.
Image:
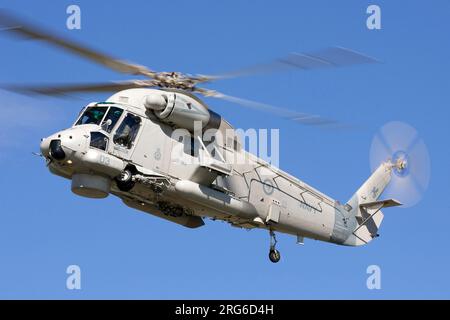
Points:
(65, 89)
(397, 140)
(326, 58)
(12, 24)
(303, 118)
(331, 57)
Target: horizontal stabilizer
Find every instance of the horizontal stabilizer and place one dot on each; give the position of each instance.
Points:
(369, 217)
(381, 204)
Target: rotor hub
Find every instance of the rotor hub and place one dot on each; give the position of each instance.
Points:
(175, 80)
(401, 164)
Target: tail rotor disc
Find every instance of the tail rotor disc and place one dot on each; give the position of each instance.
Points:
(400, 144)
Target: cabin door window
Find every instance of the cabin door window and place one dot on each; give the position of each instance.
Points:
(125, 136)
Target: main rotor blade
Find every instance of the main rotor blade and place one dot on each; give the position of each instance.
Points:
(331, 57)
(12, 24)
(66, 89)
(302, 118)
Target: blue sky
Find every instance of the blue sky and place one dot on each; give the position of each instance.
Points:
(126, 254)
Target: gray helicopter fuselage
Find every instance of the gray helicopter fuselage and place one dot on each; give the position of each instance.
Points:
(185, 182)
(164, 152)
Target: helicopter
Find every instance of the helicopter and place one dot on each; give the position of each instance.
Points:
(162, 150)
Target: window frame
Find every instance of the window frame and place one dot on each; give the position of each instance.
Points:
(119, 120)
(132, 143)
(84, 110)
(106, 105)
(105, 136)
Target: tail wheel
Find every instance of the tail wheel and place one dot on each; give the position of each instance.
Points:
(125, 180)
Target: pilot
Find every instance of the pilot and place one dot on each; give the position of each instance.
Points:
(127, 131)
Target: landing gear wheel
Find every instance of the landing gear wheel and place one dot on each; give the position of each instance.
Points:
(125, 180)
(274, 255)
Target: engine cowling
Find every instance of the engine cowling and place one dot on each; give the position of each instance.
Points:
(181, 111)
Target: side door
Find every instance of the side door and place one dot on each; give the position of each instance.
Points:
(126, 135)
(267, 199)
(152, 151)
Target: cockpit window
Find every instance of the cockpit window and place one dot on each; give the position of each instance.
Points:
(92, 115)
(99, 141)
(113, 114)
(127, 131)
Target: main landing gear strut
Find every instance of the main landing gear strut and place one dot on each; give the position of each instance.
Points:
(274, 254)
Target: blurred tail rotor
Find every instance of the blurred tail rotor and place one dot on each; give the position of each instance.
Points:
(401, 145)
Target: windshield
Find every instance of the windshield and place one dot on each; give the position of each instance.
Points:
(92, 115)
(96, 115)
(113, 114)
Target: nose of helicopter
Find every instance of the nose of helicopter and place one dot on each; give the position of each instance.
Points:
(56, 151)
(64, 145)
(45, 147)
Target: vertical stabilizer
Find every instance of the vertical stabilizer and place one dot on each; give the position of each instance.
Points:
(374, 186)
(366, 207)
